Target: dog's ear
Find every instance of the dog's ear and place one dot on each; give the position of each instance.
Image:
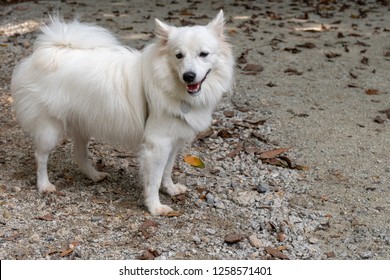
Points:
(162, 30)
(218, 24)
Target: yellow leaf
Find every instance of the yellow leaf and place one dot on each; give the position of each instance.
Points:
(194, 161)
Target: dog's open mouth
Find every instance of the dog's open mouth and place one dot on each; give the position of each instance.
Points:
(194, 89)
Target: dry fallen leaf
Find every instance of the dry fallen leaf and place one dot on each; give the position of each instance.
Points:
(66, 252)
(332, 54)
(253, 68)
(306, 45)
(148, 255)
(173, 214)
(276, 253)
(281, 236)
(237, 150)
(273, 153)
(194, 161)
(233, 238)
(148, 228)
(47, 217)
(292, 71)
(386, 111)
(372, 91)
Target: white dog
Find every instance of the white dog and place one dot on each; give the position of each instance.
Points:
(80, 81)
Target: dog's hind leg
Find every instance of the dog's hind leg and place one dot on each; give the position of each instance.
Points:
(167, 183)
(46, 137)
(80, 154)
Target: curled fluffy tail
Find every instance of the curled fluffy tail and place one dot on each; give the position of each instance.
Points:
(75, 34)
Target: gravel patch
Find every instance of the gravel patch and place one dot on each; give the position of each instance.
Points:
(307, 202)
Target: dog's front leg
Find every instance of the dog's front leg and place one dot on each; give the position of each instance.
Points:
(167, 183)
(153, 159)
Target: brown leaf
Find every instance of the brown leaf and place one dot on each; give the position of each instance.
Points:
(255, 122)
(387, 112)
(233, 238)
(293, 71)
(259, 136)
(276, 253)
(363, 44)
(332, 54)
(273, 15)
(47, 217)
(271, 84)
(281, 248)
(253, 68)
(147, 228)
(186, 12)
(237, 150)
(330, 254)
(229, 114)
(173, 214)
(292, 50)
(273, 153)
(301, 167)
(242, 58)
(98, 200)
(147, 224)
(353, 75)
(204, 134)
(379, 119)
(372, 91)
(280, 236)
(148, 255)
(274, 161)
(12, 237)
(66, 252)
(179, 199)
(224, 134)
(306, 45)
(364, 60)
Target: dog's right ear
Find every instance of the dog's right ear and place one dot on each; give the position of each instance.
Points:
(162, 30)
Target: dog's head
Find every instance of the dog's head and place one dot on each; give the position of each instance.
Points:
(193, 52)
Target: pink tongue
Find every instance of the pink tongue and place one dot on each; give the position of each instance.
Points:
(193, 87)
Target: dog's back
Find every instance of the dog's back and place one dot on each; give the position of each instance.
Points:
(81, 80)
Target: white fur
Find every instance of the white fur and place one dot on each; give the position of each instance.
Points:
(81, 82)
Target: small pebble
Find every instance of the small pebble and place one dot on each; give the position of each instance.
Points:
(254, 241)
(6, 214)
(313, 240)
(34, 238)
(366, 255)
(96, 218)
(210, 199)
(263, 188)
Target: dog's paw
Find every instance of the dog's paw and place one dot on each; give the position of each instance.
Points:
(175, 189)
(47, 188)
(161, 210)
(99, 176)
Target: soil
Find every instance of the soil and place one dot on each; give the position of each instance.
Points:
(311, 76)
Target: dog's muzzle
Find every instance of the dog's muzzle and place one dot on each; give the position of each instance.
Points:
(193, 88)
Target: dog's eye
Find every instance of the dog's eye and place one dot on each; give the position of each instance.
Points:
(179, 55)
(203, 54)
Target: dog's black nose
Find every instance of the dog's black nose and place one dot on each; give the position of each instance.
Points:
(189, 77)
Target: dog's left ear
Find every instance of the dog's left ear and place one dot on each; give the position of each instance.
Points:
(162, 30)
(218, 24)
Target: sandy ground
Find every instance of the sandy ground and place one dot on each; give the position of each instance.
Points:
(316, 71)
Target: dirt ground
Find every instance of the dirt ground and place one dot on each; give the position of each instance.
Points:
(311, 76)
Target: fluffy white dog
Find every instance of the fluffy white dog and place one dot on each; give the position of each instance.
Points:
(80, 81)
